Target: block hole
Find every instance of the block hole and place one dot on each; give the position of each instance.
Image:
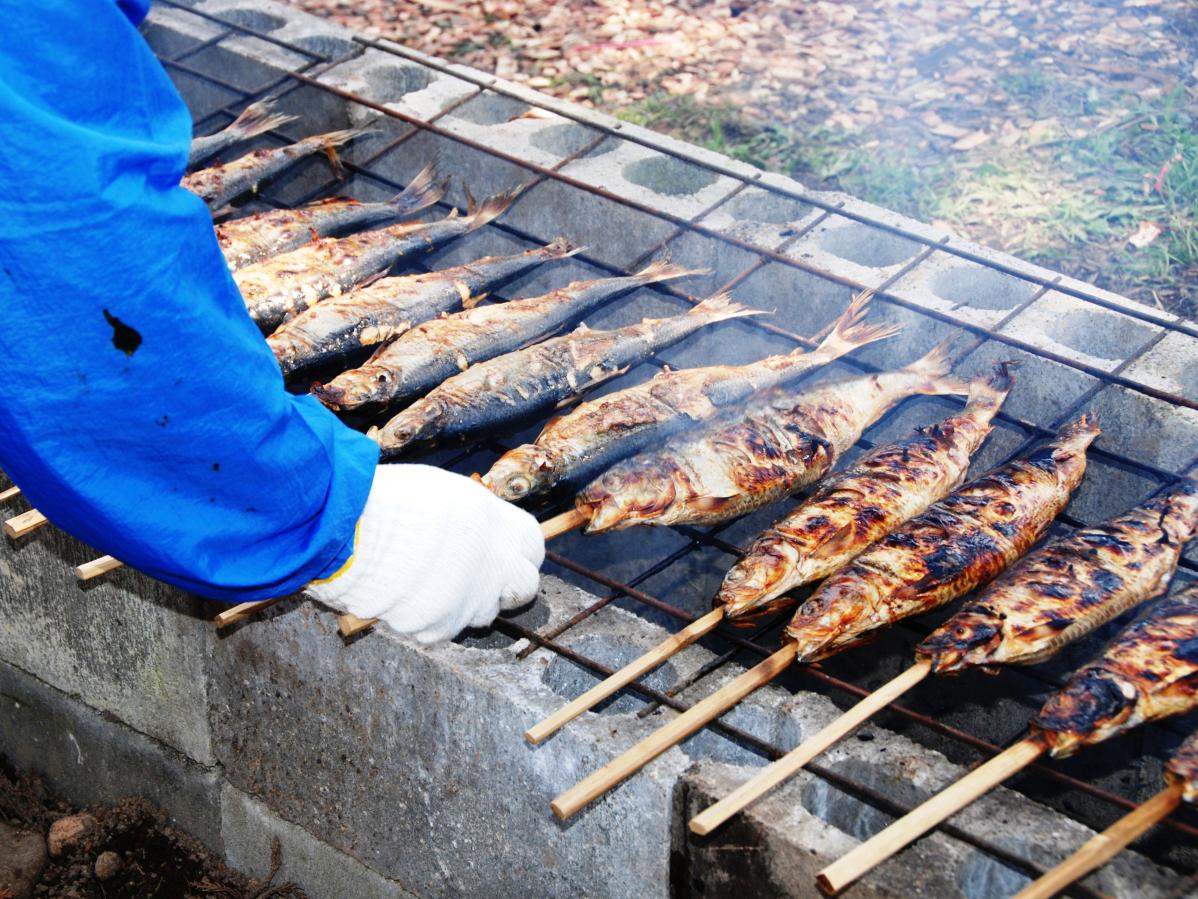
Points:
(846, 814)
(328, 46)
(569, 680)
(388, 83)
(982, 876)
(1097, 333)
(253, 19)
(981, 288)
(669, 176)
(567, 139)
(756, 205)
(491, 109)
(870, 247)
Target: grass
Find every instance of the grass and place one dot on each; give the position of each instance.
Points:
(1069, 204)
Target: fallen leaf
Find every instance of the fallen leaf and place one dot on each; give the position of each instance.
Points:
(971, 140)
(1145, 234)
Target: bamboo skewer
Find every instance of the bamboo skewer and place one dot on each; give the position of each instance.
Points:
(791, 763)
(243, 610)
(25, 523)
(598, 783)
(626, 675)
(8, 494)
(1102, 847)
(96, 567)
(836, 876)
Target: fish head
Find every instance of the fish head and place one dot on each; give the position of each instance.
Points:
(964, 640)
(1092, 706)
(360, 387)
(753, 585)
(825, 623)
(417, 423)
(521, 472)
(624, 496)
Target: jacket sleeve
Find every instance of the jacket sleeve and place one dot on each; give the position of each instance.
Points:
(141, 410)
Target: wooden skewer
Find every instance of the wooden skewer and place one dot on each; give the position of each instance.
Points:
(26, 522)
(96, 567)
(791, 763)
(626, 675)
(1102, 847)
(9, 493)
(350, 624)
(244, 610)
(598, 783)
(836, 876)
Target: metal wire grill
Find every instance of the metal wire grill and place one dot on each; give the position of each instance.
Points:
(1045, 779)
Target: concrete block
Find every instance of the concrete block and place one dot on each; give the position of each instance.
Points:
(965, 290)
(852, 249)
(1044, 390)
(1171, 365)
(125, 644)
(1146, 429)
(248, 829)
(1081, 331)
(88, 756)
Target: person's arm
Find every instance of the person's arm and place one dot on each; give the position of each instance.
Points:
(141, 410)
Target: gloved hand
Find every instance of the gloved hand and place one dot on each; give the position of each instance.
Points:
(436, 552)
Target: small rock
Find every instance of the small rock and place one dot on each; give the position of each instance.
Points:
(107, 864)
(22, 857)
(68, 832)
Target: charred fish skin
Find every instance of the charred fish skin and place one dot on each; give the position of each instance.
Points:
(429, 354)
(284, 286)
(959, 543)
(1070, 586)
(1148, 672)
(219, 184)
(254, 120)
(371, 315)
(252, 239)
(746, 460)
(852, 510)
(599, 433)
(1182, 770)
(519, 385)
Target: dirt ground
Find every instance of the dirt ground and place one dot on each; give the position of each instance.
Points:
(123, 850)
(1062, 132)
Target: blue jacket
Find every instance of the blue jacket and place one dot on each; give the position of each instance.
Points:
(140, 409)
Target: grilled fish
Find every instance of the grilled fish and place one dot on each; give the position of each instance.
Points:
(368, 316)
(960, 542)
(578, 446)
(219, 184)
(256, 237)
(255, 119)
(280, 288)
(1070, 586)
(746, 460)
(1182, 770)
(1149, 671)
(518, 385)
(428, 354)
(850, 511)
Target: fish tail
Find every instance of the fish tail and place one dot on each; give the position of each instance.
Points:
(988, 392)
(850, 331)
(560, 248)
(721, 307)
(932, 371)
(421, 192)
(664, 270)
(257, 118)
(489, 209)
(331, 139)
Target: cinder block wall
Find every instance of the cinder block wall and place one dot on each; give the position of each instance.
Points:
(387, 769)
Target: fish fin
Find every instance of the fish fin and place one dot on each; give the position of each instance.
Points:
(721, 306)
(838, 542)
(489, 209)
(582, 329)
(330, 139)
(561, 248)
(596, 382)
(373, 432)
(1077, 434)
(933, 369)
(850, 333)
(709, 503)
(472, 301)
(664, 270)
(539, 338)
(420, 193)
(257, 118)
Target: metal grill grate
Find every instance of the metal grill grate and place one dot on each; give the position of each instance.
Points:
(706, 547)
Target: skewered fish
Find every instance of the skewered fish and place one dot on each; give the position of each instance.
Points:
(1070, 586)
(518, 385)
(219, 184)
(1182, 770)
(368, 316)
(599, 433)
(851, 510)
(746, 460)
(260, 236)
(255, 119)
(285, 285)
(960, 542)
(430, 353)
(1149, 671)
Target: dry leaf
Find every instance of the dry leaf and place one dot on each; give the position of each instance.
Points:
(1145, 234)
(972, 140)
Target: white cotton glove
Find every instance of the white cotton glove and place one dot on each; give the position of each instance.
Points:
(436, 552)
